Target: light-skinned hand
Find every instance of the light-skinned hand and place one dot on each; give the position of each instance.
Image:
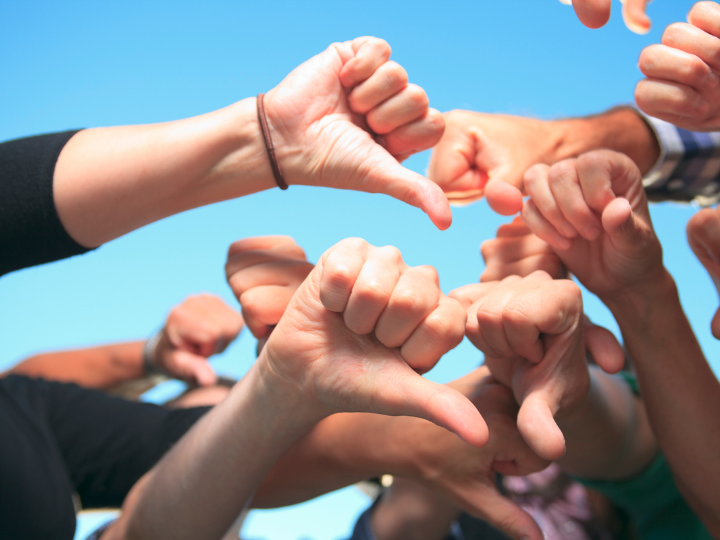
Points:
(357, 332)
(467, 475)
(516, 251)
(682, 85)
(203, 325)
(531, 331)
(593, 211)
(346, 117)
(596, 13)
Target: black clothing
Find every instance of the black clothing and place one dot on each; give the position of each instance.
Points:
(30, 230)
(57, 439)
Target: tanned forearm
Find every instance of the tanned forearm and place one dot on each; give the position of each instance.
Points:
(609, 436)
(94, 367)
(620, 129)
(681, 393)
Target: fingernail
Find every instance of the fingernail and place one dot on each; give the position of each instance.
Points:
(711, 81)
(568, 230)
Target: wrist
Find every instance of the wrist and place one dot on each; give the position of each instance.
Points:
(640, 302)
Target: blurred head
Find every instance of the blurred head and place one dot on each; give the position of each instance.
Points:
(703, 233)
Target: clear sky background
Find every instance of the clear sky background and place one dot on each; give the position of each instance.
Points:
(76, 64)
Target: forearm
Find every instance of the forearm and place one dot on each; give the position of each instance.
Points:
(199, 488)
(621, 129)
(96, 367)
(341, 450)
(110, 181)
(609, 436)
(680, 391)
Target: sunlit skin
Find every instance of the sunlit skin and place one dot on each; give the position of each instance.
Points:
(703, 234)
(596, 13)
(682, 84)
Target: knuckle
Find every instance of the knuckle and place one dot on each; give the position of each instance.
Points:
(674, 34)
(565, 171)
(429, 273)
(417, 96)
(409, 301)
(371, 292)
(395, 74)
(446, 329)
(488, 249)
(390, 253)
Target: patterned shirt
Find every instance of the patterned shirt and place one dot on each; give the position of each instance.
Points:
(688, 168)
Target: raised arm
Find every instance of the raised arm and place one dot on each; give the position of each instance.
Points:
(196, 329)
(612, 249)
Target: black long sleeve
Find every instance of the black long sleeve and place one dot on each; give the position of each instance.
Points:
(30, 230)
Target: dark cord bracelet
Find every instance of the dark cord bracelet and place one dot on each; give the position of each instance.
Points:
(279, 180)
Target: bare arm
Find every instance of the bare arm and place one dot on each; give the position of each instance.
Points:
(95, 367)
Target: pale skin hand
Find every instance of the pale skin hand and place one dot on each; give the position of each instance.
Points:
(203, 325)
(596, 13)
(682, 85)
(329, 114)
(531, 331)
(594, 213)
(343, 119)
(386, 320)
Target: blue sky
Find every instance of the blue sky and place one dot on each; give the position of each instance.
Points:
(85, 64)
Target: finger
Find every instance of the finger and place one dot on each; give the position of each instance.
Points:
(706, 16)
(191, 368)
(670, 64)
(515, 228)
(441, 331)
(627, 233)
(413, 395)
(469, 294)
(185, 331)
(341, 266)
(565, 186)
(415, 190)
(409, 104)
(592, 13)
(690, 39)
(537, 185)
(605, 174)
(414, 297)
(534, 219)
(488, 504)
(490, 337)
(503, 197)
(259, 243)
(372, 289)
(635, 17)
(415, 136)
(665, 98)
(513, 248)
(604, 348)
(263, 307)
(286, 273)
(537, 426)
(369, 54)
(387, 80)
(547, 262)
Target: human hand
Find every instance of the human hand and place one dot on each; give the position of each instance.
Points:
(516, 251)
(596, 13)
(466, 475)
(682, 85)
(703, 234)
(487, 155)
(358, 331)
(264, 272)
(532, 333)
(346, 117)
(201, 326)
(594, 213)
